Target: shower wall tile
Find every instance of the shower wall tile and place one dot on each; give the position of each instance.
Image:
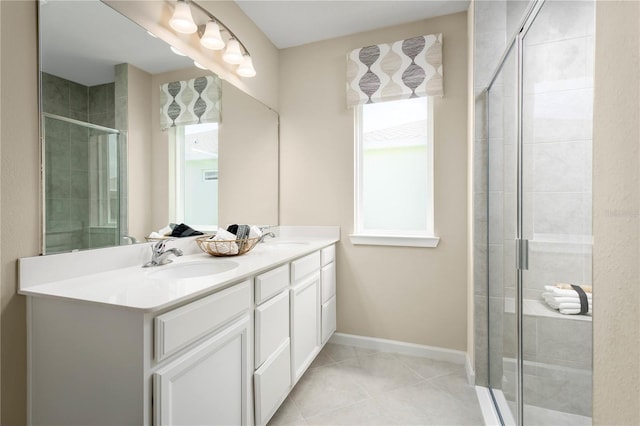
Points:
(55, 94)
(489, 46)
(515, 10)
(480, 172)
(560, 166)
(561, 20)
(79, 187)
(558, 116)
(558, 213)
(565, 343)
(560, 389)
(58, 185)
(556, 66)
(496, 264)
(78, 101)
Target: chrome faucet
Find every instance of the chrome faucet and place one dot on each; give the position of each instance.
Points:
(160, 256)
(266, 234)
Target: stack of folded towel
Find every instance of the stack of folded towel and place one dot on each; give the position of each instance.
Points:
(569, 299)
(229, 237)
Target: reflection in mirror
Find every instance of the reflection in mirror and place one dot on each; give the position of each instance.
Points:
(107, 176)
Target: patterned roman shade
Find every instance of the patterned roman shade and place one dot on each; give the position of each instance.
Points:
(387, 72)
(190, 102)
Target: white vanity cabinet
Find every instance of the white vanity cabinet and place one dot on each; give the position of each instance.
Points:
(305, 313)
(227, 355)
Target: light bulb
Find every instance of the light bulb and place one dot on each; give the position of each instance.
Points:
(246, 67)
(232, 55)
(211, 39)
(182, 21)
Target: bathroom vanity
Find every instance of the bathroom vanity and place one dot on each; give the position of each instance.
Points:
(201, 340)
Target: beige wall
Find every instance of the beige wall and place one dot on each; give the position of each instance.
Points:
(416, 295)
(20, 189)
(139, 145)
(616, 215)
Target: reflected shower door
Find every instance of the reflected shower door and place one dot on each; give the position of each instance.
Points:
(82, 185)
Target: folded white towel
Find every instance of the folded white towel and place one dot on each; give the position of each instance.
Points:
(229, 245)
(255, 232)
(155, 235)
(561, 292)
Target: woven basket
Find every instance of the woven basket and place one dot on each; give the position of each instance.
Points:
(223, 247)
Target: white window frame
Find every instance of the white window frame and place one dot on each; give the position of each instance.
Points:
(403, 238)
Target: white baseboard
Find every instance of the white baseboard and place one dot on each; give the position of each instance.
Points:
(489, 413)
(384, 345)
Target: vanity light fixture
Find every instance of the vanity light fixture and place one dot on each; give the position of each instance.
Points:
(210, 36)
(182, 21)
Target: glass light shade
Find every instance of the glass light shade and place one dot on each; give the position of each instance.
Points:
(182, 21)
(246, 67)
(211, 39)
(233, 54)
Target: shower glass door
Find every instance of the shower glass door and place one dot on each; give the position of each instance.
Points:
(502, 233)
(557, 111)
(539, 237)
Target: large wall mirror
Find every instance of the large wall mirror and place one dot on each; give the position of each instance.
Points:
(111, 176)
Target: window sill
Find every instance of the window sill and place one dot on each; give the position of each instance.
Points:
(394, 240)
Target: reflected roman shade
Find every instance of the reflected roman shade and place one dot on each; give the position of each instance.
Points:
(404, 69)
(194, 101)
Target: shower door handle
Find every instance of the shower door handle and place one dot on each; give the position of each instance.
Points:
(522, 254)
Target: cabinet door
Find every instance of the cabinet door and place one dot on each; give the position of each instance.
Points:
(305, 323)
(210, 384)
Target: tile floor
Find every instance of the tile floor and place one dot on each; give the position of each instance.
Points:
(346, 385)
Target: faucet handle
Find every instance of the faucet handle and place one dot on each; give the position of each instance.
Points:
(159, 245)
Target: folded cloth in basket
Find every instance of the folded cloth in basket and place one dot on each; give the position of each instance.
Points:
(225, 242)
(562, 292)
(568, 301)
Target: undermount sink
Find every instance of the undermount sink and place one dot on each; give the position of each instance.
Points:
(193, 270)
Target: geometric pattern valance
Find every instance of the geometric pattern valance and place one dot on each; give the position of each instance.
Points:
(387, 72)
(190, 102)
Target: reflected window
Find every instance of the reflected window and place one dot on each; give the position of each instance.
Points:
(196, 175)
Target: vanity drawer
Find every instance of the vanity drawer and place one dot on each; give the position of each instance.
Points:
(272, 326)
(180, 327)
(272, 282)
(304, 266)
(328, 277)
(328, 255)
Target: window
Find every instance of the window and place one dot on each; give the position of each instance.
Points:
(196, 175)
(394, 174)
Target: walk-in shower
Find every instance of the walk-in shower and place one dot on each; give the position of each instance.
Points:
(539, 108)
(83, 185)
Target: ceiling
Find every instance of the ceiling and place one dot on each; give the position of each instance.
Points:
(83, 40)
(294, 23)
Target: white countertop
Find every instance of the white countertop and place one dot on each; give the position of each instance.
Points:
(134, 287)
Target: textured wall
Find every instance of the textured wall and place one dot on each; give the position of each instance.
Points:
(19, 189)
(413, 295)
(616, 215)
